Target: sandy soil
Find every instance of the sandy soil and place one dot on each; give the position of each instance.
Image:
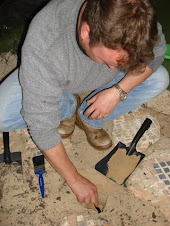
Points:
(20, 200)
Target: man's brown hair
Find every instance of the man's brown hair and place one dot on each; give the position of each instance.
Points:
(127, 24)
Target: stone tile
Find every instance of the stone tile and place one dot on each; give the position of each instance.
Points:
(153, 186)
(81, 220)
(126, 127)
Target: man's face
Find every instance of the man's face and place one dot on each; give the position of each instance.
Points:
(100, 54)
(103, 55)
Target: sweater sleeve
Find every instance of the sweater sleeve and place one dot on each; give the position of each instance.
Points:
(159, 51)
(41, 96)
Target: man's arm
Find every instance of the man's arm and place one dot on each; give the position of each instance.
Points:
(84, 190)
(104, 102)
(130, 81)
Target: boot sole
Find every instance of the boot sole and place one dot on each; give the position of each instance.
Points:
(66, 135)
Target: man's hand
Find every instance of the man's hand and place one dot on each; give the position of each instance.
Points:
(103, 103)
(84, 190)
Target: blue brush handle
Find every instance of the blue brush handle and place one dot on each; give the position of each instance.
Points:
(41, 181)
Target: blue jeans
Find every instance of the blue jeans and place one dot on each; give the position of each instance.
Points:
(11, 100)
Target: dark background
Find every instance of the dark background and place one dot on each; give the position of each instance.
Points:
(19, 12)
(15, 16)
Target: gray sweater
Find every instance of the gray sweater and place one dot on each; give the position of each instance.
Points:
(53, 63)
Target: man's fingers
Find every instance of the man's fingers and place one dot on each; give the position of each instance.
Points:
(94, 115)
(80, 199)
(97, 115)
(106, 115)
(89, 110)
(87, 200)
(91, 100)
(85, 191)
(90, 197)
(95, 200)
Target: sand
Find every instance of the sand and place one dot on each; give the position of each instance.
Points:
(20, 200)
(120, 165)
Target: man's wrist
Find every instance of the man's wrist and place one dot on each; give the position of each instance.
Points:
(73, 179)
(122, 93)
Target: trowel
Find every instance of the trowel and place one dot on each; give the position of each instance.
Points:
(119, 164)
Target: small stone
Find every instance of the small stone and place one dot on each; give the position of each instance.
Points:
(167, 182)
(162, 164)
(166, 193)
(155, 165)
(80, 218)
(155, 188)
(162, 176)
(148, 183)
(90, 223)
(71, 220)
(158, 170)
(166, 170)
(153, 215)
(80, 223)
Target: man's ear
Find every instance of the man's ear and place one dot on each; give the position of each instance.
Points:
(84, 31)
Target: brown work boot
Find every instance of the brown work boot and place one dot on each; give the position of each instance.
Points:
(98, 138)
(67, 126)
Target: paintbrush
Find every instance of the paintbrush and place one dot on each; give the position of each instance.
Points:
(39, 169)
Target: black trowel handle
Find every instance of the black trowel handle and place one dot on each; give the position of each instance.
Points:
(146, 124)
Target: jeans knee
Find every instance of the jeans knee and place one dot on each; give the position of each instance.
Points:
(10, 122)
(3, 120)
(3, 126)
(164, 82)
(6, 114)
